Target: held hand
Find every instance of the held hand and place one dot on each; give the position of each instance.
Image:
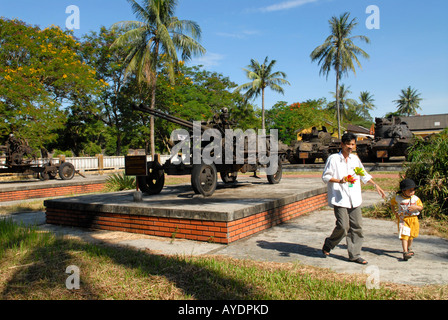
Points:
(414, 208)
(380, 192)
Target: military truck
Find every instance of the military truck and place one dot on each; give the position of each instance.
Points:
(392, 139)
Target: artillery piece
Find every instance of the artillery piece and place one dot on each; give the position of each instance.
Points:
(228, 157)
(21, 158)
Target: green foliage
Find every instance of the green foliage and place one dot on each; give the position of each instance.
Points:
(408, 102)
(428, 167)
(289, 119)
(119, 182)
(40, 71)
(262, 77)
(57, 152)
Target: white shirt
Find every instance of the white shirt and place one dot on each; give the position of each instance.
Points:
(341, 194)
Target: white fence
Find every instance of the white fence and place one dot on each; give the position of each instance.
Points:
(99, 162)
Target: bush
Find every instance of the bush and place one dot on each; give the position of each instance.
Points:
(119, 182)
(57, 152)
(428, 167)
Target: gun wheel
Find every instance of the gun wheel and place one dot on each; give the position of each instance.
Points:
(66, 171)
(152, 183)
(229, 177)
(204, 179)
(277, 176)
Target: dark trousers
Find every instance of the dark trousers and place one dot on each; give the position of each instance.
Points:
(349, 225)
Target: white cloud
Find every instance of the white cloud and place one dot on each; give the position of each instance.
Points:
(210, 59)
(286, 5)
(237, 35)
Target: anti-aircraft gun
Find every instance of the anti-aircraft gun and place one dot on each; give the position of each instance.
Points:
(21, 158)
(206, 149)
(392, 139)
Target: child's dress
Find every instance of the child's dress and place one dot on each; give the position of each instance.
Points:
(408, 226)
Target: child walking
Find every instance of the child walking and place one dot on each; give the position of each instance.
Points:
(407, 206)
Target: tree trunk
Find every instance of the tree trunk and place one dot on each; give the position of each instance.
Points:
(337, 103)
(151, 121)
(262, 108)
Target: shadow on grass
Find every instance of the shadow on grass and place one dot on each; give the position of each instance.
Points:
(39, 272)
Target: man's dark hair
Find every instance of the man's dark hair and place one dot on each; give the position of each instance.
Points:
(347, 137)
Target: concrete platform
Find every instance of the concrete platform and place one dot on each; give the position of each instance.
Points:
(233, 212)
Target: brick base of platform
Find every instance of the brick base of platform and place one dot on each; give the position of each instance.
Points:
(50, 192)
(200, 230)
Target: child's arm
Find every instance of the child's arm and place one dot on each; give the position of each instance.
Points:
(417, 207)
(393, 206)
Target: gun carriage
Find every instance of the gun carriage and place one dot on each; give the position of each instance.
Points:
(21, 158)
(203, 173)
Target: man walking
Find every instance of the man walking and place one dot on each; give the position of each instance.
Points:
(343, 174)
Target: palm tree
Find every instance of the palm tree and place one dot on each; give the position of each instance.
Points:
(158, 33)
(338, 52)
(345, 103)
(365, 104)
(262, 77)
(409, 102)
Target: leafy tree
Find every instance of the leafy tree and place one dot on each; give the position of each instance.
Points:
(365, 105)
(428, 166)
(289, 119)
(339, 52)
(347, 106)
(197, 95)
(40, 73)
(408, 102)
(262, 77)
(114, 102)
(157, 33)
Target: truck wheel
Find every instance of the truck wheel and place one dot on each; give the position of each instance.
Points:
(66, 171)
(204, 179)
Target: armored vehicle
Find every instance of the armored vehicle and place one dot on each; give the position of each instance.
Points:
(204, 173)
(314, 145)
(392, 139)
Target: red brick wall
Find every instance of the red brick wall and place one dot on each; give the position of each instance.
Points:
(50, 192)
(213, 231)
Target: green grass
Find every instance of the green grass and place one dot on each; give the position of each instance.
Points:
(33, 265)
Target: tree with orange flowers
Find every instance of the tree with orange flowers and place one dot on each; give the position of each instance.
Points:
(40, 74)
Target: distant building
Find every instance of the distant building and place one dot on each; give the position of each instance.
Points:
(360, 132)
(426, 125)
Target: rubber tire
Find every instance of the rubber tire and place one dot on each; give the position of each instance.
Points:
(229, 177)
(277, 176)
(204, 179)
(152, 183)
(66, 171)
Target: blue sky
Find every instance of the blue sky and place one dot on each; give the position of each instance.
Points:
(410, 48)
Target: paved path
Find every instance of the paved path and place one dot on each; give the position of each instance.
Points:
(300, 240)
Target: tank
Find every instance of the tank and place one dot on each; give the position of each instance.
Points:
(314, 145)
(392, 139)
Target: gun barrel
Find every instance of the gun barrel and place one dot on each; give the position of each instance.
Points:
(168, 117)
